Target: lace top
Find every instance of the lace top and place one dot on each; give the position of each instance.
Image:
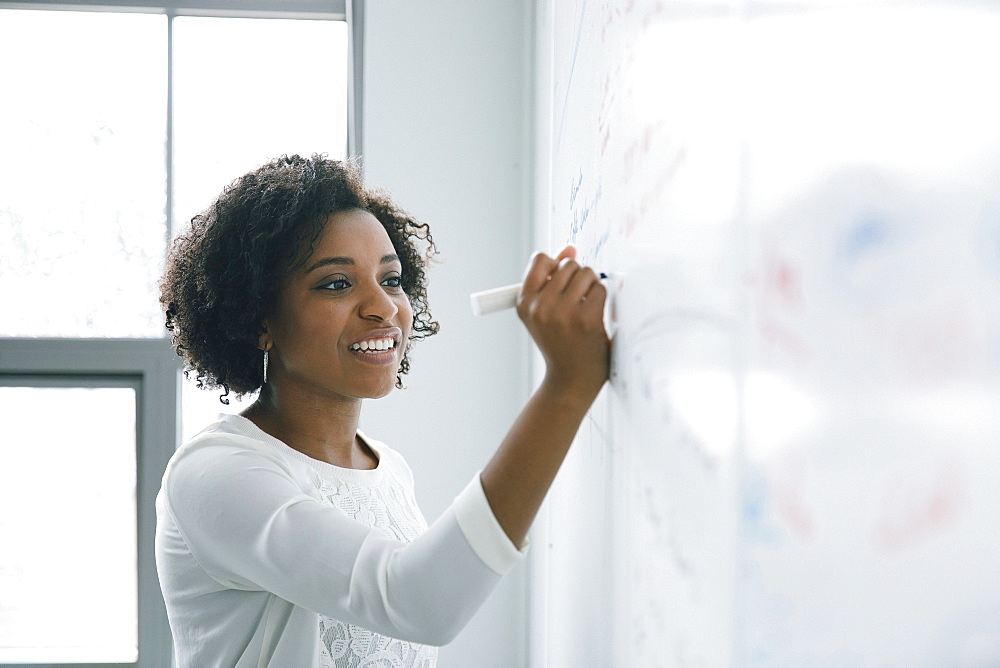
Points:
(390, 508)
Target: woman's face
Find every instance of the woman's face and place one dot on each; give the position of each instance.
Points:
(342, 321)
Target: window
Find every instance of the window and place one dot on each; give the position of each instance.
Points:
(82, 184)
(69, 578)
(100, 415)
(119, 123)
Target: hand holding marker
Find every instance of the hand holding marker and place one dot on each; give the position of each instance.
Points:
(499, 299)
(563, 306)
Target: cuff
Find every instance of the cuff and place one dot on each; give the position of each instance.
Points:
(483, 531)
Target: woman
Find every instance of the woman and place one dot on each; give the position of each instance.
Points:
(286, 537)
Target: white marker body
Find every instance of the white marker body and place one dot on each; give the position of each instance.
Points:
(497, 299)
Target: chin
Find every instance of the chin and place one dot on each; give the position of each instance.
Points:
(378, 394)
(377, 391)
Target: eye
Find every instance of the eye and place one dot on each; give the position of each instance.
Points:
(393, 282)
(336, 285)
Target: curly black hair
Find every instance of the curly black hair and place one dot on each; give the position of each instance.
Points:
(222, 274)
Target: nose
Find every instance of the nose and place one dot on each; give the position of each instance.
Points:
(377, 305)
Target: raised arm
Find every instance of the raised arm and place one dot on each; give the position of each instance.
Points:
(562, 307)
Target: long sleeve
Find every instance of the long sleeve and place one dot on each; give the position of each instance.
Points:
(250, 525)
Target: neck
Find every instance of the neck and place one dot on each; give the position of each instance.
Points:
(322, 428)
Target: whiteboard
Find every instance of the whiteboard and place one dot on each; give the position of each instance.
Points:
(797, 460)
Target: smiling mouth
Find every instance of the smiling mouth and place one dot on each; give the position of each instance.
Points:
(374, 346)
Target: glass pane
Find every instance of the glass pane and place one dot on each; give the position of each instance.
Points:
(247, 91)
(82, 195)
(68, 575)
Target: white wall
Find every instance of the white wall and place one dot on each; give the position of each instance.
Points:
(446, 123)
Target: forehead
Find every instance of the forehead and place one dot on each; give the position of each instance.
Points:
(354, 233)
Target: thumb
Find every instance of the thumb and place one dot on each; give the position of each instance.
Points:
(568, 251)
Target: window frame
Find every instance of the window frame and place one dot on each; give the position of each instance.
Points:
(154, 368)
(272, 9)
(151, 363)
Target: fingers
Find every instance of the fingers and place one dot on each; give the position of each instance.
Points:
(574, 284)
(541, 268)
(584, 286)
(537, 274)
(562, 277)
(568, 251)
(552, 282)
(549, 276)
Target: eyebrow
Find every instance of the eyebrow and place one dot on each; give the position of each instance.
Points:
(348, 261)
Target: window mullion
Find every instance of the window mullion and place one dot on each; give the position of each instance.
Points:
(169, 139)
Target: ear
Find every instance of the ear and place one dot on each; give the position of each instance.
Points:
(264, 340)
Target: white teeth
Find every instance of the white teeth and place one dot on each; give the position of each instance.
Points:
(374, 344)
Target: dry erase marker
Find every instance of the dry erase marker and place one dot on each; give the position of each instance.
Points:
(498, 299)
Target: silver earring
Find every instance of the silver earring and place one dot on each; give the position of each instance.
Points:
(265, 366)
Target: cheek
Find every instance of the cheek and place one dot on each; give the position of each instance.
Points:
(406, 313)
(301, 329)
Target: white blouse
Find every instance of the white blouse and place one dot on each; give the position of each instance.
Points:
(267, 557)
